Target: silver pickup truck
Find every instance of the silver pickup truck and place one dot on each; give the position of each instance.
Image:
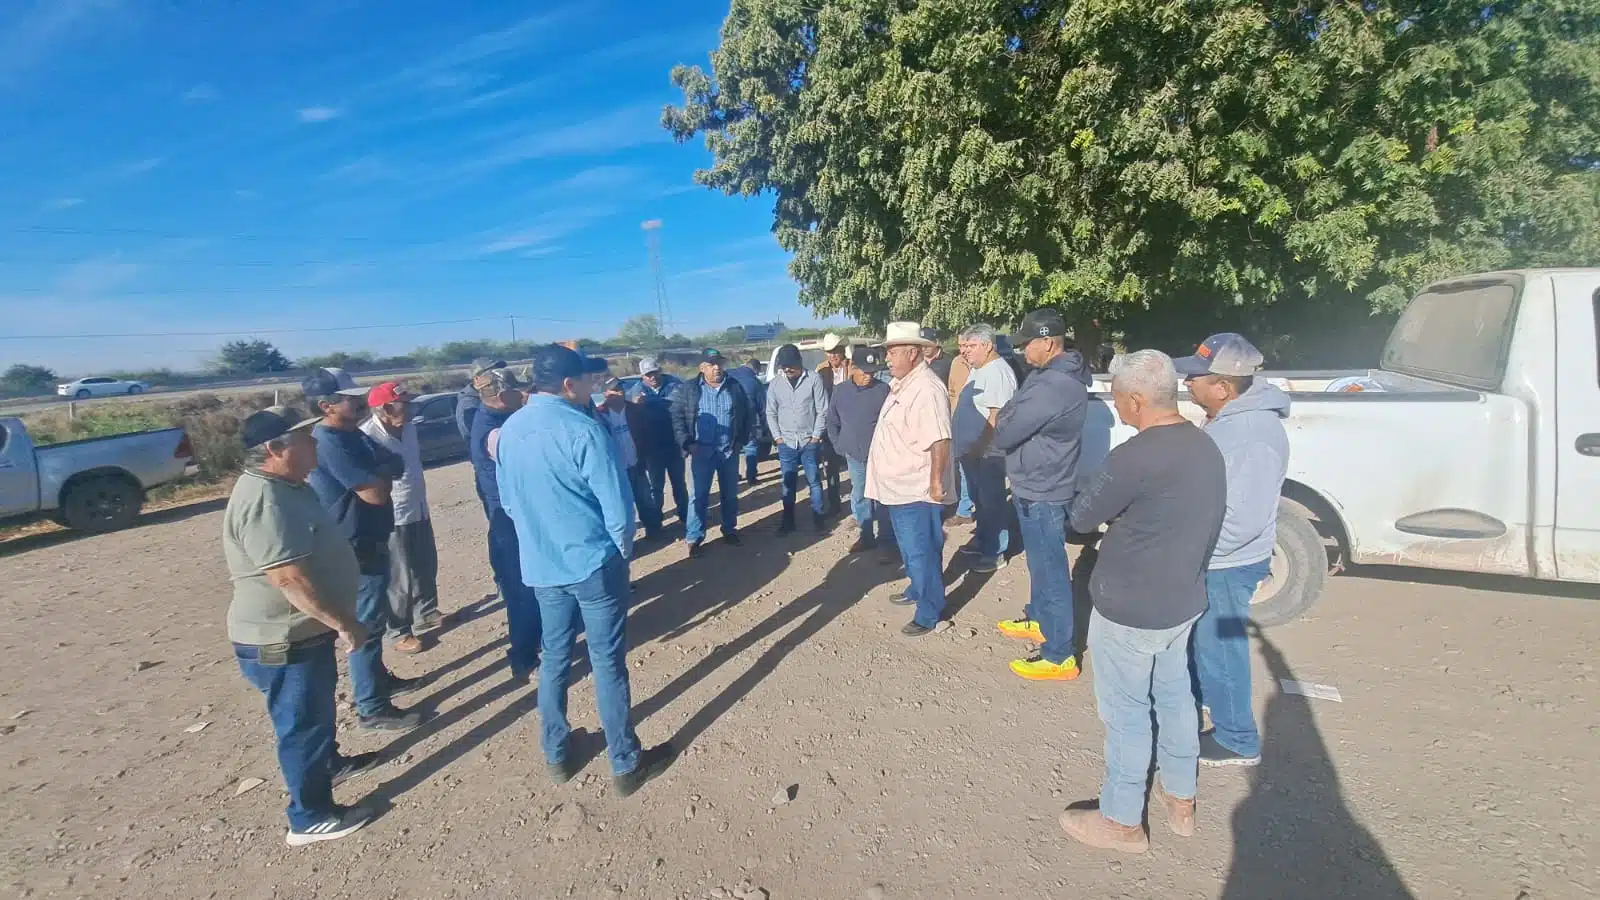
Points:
(96, 484)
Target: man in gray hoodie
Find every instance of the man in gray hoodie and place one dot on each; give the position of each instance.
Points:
(1040, 431)
(1244, 417)
(797, 415)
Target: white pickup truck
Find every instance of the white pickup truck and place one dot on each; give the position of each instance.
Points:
(1474, 448)
(96, 484)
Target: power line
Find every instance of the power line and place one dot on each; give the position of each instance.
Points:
(252, 331)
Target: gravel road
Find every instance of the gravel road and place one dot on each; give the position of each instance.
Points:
(826, 756)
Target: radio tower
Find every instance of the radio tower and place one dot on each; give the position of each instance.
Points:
(652, 237)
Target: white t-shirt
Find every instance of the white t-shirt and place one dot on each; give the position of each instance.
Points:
(990, 386)
(410, 492)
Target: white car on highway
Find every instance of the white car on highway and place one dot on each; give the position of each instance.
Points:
(100, 386)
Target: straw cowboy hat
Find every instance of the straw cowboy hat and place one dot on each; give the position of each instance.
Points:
(905, 333)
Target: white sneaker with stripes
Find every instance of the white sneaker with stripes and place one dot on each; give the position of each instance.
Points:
(347, 820)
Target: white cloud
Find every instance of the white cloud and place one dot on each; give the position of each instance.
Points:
(33, 39)
(62, 203)
(543, 231)
(620, 129)
(95, 276)
(312, 114)
(142, 166)
(201, 93)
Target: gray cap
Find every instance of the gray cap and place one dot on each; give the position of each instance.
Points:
(1221, 354)
(649, 364)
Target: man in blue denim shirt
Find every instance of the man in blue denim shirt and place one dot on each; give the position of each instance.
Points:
(564, 487)
(711, 422)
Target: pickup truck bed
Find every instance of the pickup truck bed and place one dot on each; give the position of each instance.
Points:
(93, 484)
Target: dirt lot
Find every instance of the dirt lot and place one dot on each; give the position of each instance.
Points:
(1462, 761)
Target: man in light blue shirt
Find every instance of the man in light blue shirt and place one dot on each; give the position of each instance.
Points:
(564, 488)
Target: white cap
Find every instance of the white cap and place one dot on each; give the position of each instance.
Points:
(648, 365)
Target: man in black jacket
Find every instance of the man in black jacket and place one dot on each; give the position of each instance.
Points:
(852, 417)
(1041, 432)
(711, 423)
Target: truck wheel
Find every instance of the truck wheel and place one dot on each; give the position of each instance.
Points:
(102, 503)
(1299, 571)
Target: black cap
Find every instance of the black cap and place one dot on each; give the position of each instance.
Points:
(868, 359)
(1039, 324)
(483, 364)
(594, 365)
(930, 334)
(789, 357)
(553, 364)
(712, 354)
(272, 422)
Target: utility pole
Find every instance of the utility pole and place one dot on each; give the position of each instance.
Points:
(652, 237)
(513, 319)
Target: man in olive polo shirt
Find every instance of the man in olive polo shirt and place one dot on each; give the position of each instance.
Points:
(294, 588)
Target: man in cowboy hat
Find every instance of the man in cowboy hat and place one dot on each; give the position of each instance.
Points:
(910, 471)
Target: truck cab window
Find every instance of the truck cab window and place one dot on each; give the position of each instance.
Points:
(1457, 333)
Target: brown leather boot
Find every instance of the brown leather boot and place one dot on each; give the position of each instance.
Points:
(1180, 813)
(1089, 826)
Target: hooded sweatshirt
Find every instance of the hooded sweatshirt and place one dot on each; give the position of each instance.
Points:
(1041, 430)
(853, 416)
(1255, 448)
(797, 410)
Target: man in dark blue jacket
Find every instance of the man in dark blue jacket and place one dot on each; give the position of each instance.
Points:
(467, 402)
(852, 418)
(1041, 432)
(499, 391)
(658, 448)
(749, 378)
(711, 423)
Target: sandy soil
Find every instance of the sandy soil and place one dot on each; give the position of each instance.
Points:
(1462, 761)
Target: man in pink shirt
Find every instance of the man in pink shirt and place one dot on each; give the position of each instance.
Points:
(910, 470)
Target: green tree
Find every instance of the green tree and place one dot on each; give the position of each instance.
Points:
(643, 332)
(1162, 168)
(338, 359)
(22, 378)
(250, 358)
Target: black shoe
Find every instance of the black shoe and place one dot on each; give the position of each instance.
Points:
(1214, 755)
(786, 526)
(819, 523)
(899, 598)
(349, 767)
(562, 772)
(862, 545)
(733, 540)
(912, 629)
(392, 719)
(525, 676)
(399, 687)
(889, 556)
(344, 821)
(652, 762)
(696, 551)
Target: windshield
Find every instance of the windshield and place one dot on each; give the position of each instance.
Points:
(1457, 333)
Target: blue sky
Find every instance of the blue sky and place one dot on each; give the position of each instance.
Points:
(237, 167)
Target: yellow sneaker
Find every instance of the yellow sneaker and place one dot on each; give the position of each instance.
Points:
(1037, 668)
(1021, 629)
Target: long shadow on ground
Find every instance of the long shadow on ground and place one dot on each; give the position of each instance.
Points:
(1293, 836)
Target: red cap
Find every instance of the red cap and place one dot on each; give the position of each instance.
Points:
(388, 392)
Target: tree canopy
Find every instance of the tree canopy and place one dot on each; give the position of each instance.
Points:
(256, 357)
(23, 378)
(1162, 167)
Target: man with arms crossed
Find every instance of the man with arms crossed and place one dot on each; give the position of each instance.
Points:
(1041, 431)
(1244, 417)
(294, 588)
(563, 485)
(910, 471)
(1163, 491)
(990, 386)
(414, 568)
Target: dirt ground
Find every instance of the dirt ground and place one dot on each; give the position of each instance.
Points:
(825, 755)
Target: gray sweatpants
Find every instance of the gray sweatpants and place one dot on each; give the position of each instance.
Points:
(413, 577)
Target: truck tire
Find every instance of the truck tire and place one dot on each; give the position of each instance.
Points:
(1299, 571)
(102, 503)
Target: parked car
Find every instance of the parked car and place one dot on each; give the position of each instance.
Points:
(99, 386)
(1474, 450)
(435, 418)
(96, 484)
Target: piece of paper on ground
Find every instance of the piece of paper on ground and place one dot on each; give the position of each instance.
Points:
(1311, 689)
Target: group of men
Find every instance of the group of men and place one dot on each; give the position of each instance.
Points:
(326, 533)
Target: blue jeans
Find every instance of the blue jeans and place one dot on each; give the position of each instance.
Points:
(964, 494)
(1137, 670)
(299, 687)
(661, 467)
(369, 678)
(600, 603)
(919, 530)
(867, 512)
(643, 500)
(790, 459)
(1044, 538)
(986, 479)
(725, 466)
(752, 454)
(522, 610)
(1222, 655)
